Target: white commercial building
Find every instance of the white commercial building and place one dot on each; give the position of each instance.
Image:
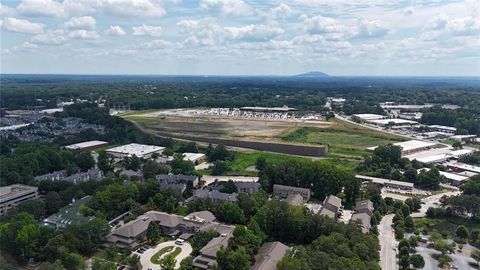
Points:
(12, 195)
(194, 157)
(411, 146)
(462, 167)
(139, 150)
(86, 145)
(366, 117)
(393, 122)
(441, 128)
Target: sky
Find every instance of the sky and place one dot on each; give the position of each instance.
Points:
(240, 37)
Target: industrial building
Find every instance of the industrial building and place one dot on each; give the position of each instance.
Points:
(12, 195)
(268, 109)
(134, 149)
(367, 117)
(393, 122)
(86, 145)
(393, 184)
(412, 146)
(196, 158)
(441, 128)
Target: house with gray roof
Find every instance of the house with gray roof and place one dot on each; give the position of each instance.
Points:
(282, 192)
(269, 254)
(363, 219)
(177, 178)
(132, 175)
(208, 254)
(363, 215)
(332, 206)
(247, 187)
(133, 232)
(294, 199)
(215, 195)
(74, 178)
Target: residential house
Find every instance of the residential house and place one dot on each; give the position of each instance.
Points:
(332, 207)
(282, 192)
(269, 254)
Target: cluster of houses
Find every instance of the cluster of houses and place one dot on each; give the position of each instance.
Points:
(133, 233)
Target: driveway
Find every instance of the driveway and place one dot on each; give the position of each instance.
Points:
(388, 251)
(145, 257)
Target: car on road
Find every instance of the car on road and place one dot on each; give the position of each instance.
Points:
(179, 242)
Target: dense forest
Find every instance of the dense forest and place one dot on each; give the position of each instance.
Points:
(145, 92)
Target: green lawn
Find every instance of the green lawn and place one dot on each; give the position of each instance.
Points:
(343, 139)
(156, 258)
(245, 159)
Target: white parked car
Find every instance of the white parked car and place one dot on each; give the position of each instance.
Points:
(179, 242)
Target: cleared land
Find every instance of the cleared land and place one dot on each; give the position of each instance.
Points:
(343, 138)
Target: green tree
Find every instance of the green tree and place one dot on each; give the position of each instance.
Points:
(168, 263)
(457, 145)
(57, 265)
(153, 232)
(104, 162)
(229, 187)
(53, 202)
(134, 163)
(180, 166)
(230, 213)
(219, 167)
(85, 161)
(417, 261)
(101, 264)
(233, 259)
(462, 232)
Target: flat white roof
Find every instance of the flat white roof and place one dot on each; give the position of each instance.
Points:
(432, 159)
(193, 156)
(382, 181)
(461, 152)
(414, 144)
(394, 120)
(443, 127)
(369, 116)
(465, 167)
(85, 144)
(461, 137)
(453, 176)
(136, 149)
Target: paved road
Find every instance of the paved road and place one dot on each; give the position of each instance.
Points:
(145, 257)
(388, 251)
(432, 201)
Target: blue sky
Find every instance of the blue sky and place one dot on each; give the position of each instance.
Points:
(240, 37)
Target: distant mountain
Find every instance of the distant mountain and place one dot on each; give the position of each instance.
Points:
(312, 74)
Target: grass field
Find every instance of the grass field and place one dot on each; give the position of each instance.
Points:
(343, 139)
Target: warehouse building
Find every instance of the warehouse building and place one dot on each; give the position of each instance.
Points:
(393, 184)
(11, 196)
(86, 145)
(135, 149)
(367, 117)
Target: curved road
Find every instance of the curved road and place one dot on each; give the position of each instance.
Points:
(388, 251)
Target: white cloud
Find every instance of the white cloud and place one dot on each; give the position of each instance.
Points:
(132, 8)
(27, 46)
(465, 26)
(85, 22)
(55, 37)
(254, 32)
(188, 24)
(83, 34)
(115, 30)
(156, 44)
(438, 22)
(40, 8)
(321, 25)
(281, 10)
(147, 30)
(408, 11)
(227, 7)
(22, 26)
(6, 11)
(370, 29)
